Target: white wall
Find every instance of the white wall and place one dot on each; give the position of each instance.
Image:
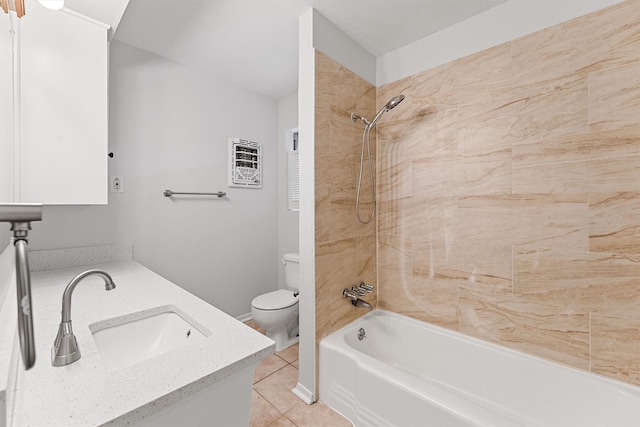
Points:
(305, 389)
(316, 32)
(500, 24)
(288, 223)
(332, 41)
(6, 112)
(168, 130)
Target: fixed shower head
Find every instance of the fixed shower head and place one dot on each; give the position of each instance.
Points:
(388, 106)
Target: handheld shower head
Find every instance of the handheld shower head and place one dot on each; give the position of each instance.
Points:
(388, 106)
(394, 101)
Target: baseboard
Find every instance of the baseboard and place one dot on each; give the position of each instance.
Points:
(244, 317)
(303, 394)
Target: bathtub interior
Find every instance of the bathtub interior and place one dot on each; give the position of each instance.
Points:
(464, 374)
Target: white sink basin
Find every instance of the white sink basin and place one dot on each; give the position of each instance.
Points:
(130, 339)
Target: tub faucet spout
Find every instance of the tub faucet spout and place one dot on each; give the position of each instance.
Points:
(353, 295)
(65, 347)
(361, 303)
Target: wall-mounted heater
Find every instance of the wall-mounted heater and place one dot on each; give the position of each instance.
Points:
(245, 169)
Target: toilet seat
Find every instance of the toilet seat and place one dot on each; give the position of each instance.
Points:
(276, 300)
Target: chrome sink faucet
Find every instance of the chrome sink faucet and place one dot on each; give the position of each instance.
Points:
(65, 348)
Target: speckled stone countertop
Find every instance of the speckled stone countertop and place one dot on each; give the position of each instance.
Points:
(85, 392)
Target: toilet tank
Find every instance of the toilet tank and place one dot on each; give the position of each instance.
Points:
(291, 263)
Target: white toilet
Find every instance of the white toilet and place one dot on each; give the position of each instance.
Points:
(277, 311)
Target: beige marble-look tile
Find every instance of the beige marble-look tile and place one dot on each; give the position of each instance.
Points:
(428, 300)
(615, 161)
(525, 325)
(432, 300)
(435, 86)
(324, 301)
(603, 161)
(474, 265)
(395, 266)
(576, 45)
(549, 109)
(345, 135)
(578, 281)
(485, 126)
(267, 367)
(338, 86)
(428, 132)
(615, 345)
(482, 75)
(614, 97)
(276, 388)
(316, 415)
(392, 216)
(434, 177)
(394, 180)
(484, 174)
(435, 218)
(335, 269)
(614, 222)
(484, 144)
(322, 207)
(366, 257)
(289, 354)
(526, 220)
(344, 223)
(558, 165)
(263, 413)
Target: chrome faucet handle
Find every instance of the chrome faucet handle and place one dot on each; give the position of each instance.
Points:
(367, 288)
(346, 293)
(358, 291)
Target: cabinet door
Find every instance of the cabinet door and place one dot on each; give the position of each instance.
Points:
(64, 85)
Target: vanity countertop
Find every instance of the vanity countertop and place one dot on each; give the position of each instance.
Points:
(85, 392)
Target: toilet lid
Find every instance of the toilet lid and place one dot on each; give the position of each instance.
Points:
(275, 300)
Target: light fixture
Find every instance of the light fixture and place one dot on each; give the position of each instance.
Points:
(52, 4)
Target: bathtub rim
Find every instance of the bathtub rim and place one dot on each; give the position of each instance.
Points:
(475, 341)
(338, 342)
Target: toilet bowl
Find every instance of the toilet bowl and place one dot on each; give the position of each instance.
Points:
(277, 311)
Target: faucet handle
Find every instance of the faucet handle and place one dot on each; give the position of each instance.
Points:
(346, 293)
(359, 291)
(366, 288)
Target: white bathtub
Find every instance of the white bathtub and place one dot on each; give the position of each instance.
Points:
(410, 373)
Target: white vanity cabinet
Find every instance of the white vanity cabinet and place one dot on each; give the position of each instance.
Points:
(61, 154)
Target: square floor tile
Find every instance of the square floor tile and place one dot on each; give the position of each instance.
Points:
(263, 413)
(267, 367)
(316, 415)
(282, 422)
(276, 388)
(290, 354)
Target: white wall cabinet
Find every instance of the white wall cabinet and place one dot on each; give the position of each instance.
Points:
(62, 150)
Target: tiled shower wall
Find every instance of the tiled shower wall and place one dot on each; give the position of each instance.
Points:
(345, 249)
(509, 194)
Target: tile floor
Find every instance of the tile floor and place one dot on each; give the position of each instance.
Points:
(273, 404)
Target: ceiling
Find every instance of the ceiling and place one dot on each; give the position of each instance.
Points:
(254, 43)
